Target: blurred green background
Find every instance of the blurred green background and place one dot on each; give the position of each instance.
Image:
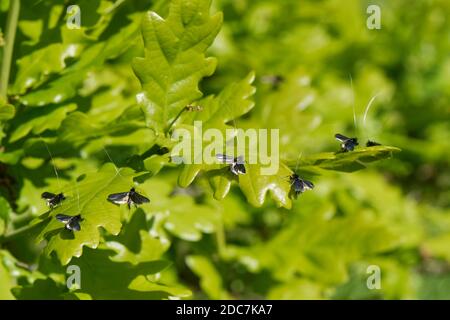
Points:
(325, 63)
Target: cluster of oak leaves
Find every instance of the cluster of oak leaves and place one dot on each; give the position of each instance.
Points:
(236, 166)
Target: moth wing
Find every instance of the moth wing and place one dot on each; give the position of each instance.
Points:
(351, 144)
(240, 168)
(224, 158)
(119, 198)
(308, 185)
(298, 185)
(63, 218)
(138, 198)
(48, 195)
(74, 225)
(240, 160)
(340, 137)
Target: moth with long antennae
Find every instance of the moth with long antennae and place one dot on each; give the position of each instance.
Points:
(129, 198)
(237, 166)
(347, 144)
(72, 222)
(299, 185)
(51, 159)
(53, 199)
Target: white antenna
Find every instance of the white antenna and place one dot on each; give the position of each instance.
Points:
(52, 161)
(296, 165)
(368, 107)
(353, 102)
(366, 111)
(110, 159)
(233, 136)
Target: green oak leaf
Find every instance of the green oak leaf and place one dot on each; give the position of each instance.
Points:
(151, 248)
(106, 278)
(46, 289)
(231, 103)
(234, 101)
(89, 199)
(108, 105)
(255, 186)
(179, 214)
(50, 44)
(78, 128)
(175, 61)
(71, 78)
(33, 69)
(187, 220)
(344, 161)
(102, 277)
(155, 163)
(36, 121)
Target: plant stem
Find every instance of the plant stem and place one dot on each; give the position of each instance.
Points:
(11, 26)
(20, 232)
(175, 119)
(186, 108)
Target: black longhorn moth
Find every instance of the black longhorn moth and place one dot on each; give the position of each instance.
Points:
(300, 185)
(72, 222)
(237, 166)
(347, 144)
(53, 199)
(130, 197)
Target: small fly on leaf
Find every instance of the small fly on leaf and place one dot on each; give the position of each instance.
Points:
(237, 166)
(130, 197)
(372, 143)
(72, 222)
(347, 144)
(53, 199)
(299, 185)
